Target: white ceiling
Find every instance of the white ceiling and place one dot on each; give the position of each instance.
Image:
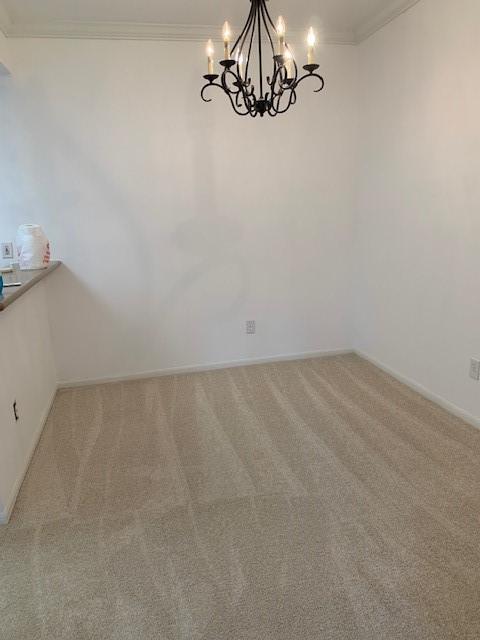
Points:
(340, 20)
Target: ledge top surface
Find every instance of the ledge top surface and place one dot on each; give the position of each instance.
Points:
(28, 279)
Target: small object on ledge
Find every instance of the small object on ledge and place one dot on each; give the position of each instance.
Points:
(12, 284)
(33, 247)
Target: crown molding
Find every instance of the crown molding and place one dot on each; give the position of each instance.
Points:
(393, 10)
(183, 33)
(143, 31)
(111, 31)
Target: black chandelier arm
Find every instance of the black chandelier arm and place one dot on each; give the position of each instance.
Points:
(243, 100)
(312, 74)
(295, 66)
(260, 52)
(236, 82)
(281, 83)
(245, 97)
(264, 12)
(276, 104)
(244, 91)
(280, 80)
(240, 99)
(210, 83)
(246, 28)
(250, 47)
(269, 18)
(238, 107)
(242, 39)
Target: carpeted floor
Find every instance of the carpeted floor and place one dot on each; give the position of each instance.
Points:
(311, 500)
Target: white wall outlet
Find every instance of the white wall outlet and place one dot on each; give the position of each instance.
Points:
(7, 250)
(475, 369)
(251, 327)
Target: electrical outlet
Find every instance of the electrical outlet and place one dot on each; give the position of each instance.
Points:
(251, 327)
(7, 250)
(475, 369)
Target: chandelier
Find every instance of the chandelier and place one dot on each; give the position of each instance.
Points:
(265, 94)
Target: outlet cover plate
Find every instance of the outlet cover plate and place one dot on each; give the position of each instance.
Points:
(251, 327)
(475, 369)
(7, 250)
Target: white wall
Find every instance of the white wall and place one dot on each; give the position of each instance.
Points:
(223, 219)
(418, 224)
(27, 375)
(178, 221)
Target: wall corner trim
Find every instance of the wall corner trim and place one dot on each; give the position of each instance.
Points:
(5, 515)
(429, 395)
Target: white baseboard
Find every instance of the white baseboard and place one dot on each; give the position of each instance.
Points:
(429, 395)
(71, 384)
(6, 513)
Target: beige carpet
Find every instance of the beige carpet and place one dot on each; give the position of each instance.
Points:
(310, 500)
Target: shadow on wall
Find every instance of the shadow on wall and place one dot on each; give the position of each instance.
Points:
(210, 235)
(51, 173)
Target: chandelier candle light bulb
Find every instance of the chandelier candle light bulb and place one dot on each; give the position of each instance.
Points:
(311, 41)
(210, 54)
(289, 64)
(281, 30)
(227, 36)
(240, 61)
